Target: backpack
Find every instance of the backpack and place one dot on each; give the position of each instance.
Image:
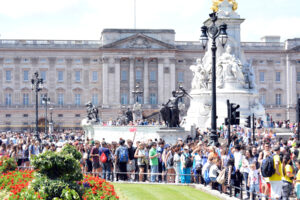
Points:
(188, 161)
(103, 158)
(123, 154)
(170, 161)
(267, 167)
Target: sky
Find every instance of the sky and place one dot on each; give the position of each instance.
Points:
(85, 19)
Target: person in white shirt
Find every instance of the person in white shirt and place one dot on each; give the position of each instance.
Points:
(253, 180)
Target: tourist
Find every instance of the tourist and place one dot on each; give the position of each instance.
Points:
(253, 180)
(297, 181)
(142, 161)
(131, 160)
(161, 166)
(169, 162)
(95, 159)
(197, 165)
(186, 164)
(214, 171)
(177, 154)
(121, 157)
(246, 161)
(153, 156)
(105, 164)
(276, 178)
(287, 171)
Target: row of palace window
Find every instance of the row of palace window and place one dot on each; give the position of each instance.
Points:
(60, 99)
(152, 100)
(43, 75)
(277, 76)
(278, 101)
(152, 77)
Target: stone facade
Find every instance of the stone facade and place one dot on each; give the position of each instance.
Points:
(106, 72)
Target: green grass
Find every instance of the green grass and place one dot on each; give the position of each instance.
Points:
(159, 192)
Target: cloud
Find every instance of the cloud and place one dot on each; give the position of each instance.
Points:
(21, 8)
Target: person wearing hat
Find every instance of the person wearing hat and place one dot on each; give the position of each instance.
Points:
(186, 159)
(276, 178)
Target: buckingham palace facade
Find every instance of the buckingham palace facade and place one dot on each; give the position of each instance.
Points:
(106, 71)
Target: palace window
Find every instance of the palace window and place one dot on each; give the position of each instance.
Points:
(60, 99)
(278, 99)
(138, 75)
(8, 99)
(77, 99)
(8, 75)
(262, 99)
(60, 76)
(124, 75)
(152, 76)
(95, 76)
(124, 99)
(153, 99)
(77, 76)
(262, 76)
(25, 75)
(277, 78)
(180, 77)
(298, 76)
(26, 99)
(44, 75)
(95, 99)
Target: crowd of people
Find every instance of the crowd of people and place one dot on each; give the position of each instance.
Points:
(189, 160)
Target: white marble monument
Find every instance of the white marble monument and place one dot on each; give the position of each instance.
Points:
(235, 77)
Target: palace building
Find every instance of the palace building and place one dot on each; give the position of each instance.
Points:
(106, 71)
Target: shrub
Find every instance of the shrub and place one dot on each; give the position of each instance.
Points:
(7, 164)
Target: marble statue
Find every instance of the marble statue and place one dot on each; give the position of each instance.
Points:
(216, 4)
(229, 68)
(225, 8)
(201, 76)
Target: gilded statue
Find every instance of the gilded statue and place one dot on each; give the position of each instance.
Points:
(216, 3)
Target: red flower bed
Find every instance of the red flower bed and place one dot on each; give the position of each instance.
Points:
(97, 188)
(16, 182)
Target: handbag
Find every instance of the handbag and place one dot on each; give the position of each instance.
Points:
(85, 156)
(221, 177)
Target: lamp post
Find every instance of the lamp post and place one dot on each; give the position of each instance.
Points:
(51, 121)
(46, 101)
(37, 85)
(137, 92)
(214, 32)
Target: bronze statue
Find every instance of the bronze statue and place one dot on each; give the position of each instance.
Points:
(170, 111)
(129, 116)
(92, 112)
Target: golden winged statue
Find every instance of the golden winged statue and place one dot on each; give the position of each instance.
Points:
(216, 3)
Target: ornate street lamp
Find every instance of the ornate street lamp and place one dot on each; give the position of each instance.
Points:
(36, 85)
(51, 121)
(46, 101)
(213, 32)
(137, 92)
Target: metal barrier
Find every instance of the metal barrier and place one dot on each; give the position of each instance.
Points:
(113, 177)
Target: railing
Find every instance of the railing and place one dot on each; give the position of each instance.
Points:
(50, 43)
(115, 176)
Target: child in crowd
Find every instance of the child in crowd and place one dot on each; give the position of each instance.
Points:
(253, 180)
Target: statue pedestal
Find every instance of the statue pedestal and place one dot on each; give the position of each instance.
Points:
(199, 113)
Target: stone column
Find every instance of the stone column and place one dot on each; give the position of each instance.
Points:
(160, 81)
(146, 81)
(117, 81)
(172, 74)
(291, 94)
(105, 81)
(131, 81)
